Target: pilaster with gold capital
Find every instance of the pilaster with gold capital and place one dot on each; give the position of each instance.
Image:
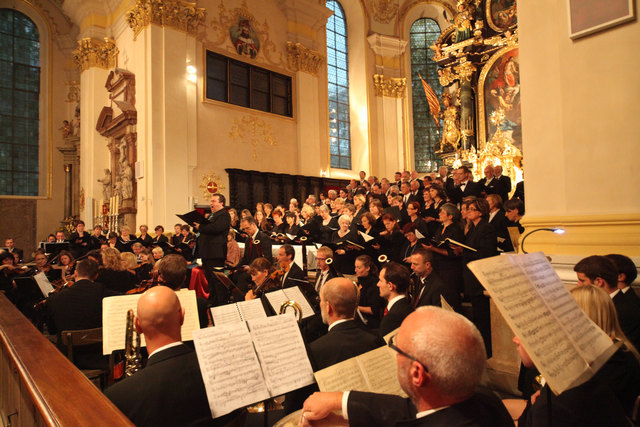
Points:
(177, 14)
(95, 53)
(306, 21)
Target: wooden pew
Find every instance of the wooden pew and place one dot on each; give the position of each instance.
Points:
(39, 386)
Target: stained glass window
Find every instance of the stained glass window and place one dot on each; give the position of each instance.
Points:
(424, 32)
(338, 76)
(19, 104)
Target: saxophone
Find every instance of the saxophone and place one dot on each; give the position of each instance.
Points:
(133, 357)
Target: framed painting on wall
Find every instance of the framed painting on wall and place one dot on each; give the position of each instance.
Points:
(501, 14)
(499, 96)
(590, 16)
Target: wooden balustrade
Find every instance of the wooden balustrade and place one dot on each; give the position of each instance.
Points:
(39, 386)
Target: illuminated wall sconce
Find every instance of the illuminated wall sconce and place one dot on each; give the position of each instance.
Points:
(192, 73)
(557, 230)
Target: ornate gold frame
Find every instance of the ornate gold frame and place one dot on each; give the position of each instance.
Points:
(490, 18)
(482, 133)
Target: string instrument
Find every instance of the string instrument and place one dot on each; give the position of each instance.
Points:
(146, 284)
(272, 281)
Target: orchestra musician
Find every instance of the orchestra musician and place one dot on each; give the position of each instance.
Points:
(66, 263)
(114, 275)
(11, 247)
(265, 278)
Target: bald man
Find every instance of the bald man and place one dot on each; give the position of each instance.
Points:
(440, 362)
(169, 390)
(345, 339)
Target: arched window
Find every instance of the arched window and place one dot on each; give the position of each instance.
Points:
(338, 76)
(424, 32)
(19, 104)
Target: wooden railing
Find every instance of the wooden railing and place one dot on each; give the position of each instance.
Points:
(39, 386)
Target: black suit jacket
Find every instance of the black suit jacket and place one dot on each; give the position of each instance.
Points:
(212, 243)
(494, 187)
(342, 342)
(295, 272)
(252, 251)
(481, 237)
(393, 319)
(434, 287)
(169, 391)
(629, 316)
(500, 224)
(371, 409)
(506, 182)
(456, 194)
(330, 275)
(519, 193)
(19, 252)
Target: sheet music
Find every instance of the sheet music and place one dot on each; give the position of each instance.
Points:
(230, 369)
(114, 318)
(225, 314)
(276, 299)
(252, 309)
(296, 295)
(366, 237)
(445, 304)
(282, 353)
(43, 283)
(387, 337)
(561, 340)
(381, 371)
(342, 376)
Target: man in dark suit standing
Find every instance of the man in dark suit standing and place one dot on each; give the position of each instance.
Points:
(505, 180)
(170, 389)
(491, 185)
(627, 273)
(77, 307)
(430, 343)
(428, 285)
(602, 272)
(294, 275)
(464, 185)
(394, 284)
(212, 245)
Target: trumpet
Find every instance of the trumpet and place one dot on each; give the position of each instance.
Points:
(297, 310)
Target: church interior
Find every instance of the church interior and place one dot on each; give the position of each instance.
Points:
(128, 112)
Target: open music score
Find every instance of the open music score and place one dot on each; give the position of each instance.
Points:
(114, 315)
(565, 345)
(43, 283)
(373, 371)
(280, 296)
(238, 312)
(246, 362)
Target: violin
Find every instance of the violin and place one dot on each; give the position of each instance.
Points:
(146, 284)
(272, 281)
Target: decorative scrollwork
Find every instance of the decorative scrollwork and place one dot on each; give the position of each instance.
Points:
(446, 76)
(179, 14)
(465, 70)
(392, 87)
(300, 58)
(384, 10)
(253, 131)
(94, 53)
(211, 184)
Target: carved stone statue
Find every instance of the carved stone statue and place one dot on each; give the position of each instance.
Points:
(66, 129)
(462, 21)
(127, 182)
(107, 189)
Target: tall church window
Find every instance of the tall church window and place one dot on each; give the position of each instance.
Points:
(338, 76)
(424, 32)
(19, 104)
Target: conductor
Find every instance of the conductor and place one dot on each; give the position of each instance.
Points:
(212, 244)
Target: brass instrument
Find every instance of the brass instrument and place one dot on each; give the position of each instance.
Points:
(297, 310)
(133, 357)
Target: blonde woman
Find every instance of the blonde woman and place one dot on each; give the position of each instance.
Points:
(114, 275)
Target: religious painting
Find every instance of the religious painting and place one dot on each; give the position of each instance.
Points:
(589, 16)
(244, 38)
(499, 99)
(501, 14)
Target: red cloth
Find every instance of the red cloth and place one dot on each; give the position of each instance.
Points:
(199, 283)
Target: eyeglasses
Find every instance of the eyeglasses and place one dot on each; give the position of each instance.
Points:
(472, 209)
(320, 259)
(393, 346)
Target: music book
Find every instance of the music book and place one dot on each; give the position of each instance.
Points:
(192, 217)
(278, 297)
(238, 312)
(462, 245)
(564, 344)
(373, 371)
(445, 305)
(418, 234)
(114, 317)
(43, 283)
(366, 237)
(514, 236)
(247, 362)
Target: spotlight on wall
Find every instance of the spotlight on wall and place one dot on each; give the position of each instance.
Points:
(192, 75)
(556, 230)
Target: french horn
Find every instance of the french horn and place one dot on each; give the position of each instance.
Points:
(297, 310)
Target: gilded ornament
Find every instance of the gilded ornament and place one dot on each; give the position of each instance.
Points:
(387, 86)
(94, 53)
(225, 19)
(446, 76)
(301, 58)
(178, 14)
(211, 184)
(73, 92)
(465, 70)
(253, 131)
(384, 10)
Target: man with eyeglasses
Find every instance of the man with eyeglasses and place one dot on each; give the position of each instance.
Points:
(440, 361)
